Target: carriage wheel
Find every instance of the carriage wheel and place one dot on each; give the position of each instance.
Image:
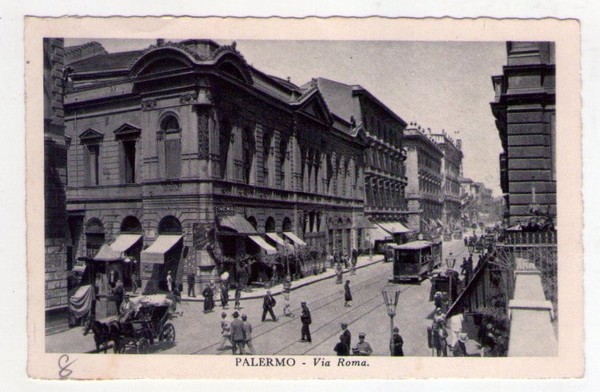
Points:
(142, 346)
(168, 334)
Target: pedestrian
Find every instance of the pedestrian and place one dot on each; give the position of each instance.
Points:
(247, 328)
(345, 258)
(238, 296)
(287, 288)
(466, 240)
(118, 293)
(306, 321)
(126, 308)
(237, 334)
(438, 300)
(460, 349)
(347, 336)
(134, 282)
(339, 273)
(169, 282)
(208, 294)
(397, 343)
(341, 348)
(191, 281)
(347, 294)
(225, 332)
(363, 348)
(456, 326)
(439, 337)
(224, 295)
(268, 305)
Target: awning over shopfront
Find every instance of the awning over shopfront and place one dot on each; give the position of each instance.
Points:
(124, 242)
(237, 223)
(279, 241)
(363, 223)
(106, 253)
(294, 238)
(393, 227)
(378, 234)
(263, 244)
(155, 254)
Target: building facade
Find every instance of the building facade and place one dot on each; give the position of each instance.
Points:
(451, 169)
(55, 163)
(185, 157)
(424, 193)
(384, 156)
(524, 108)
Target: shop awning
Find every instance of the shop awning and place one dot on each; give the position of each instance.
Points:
(393, 227)
(263, 244)
(279, 241)
(155, 254)
(362, 222)
(125, 241)
(294, 238)
(106, 253)
(237, 223)
(378, 234)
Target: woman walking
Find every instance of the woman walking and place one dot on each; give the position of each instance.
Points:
(347, 294)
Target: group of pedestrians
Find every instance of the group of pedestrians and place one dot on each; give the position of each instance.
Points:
(237, 334)
(439, 335)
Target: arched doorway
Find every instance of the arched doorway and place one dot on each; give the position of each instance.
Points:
(169, 232)
(287, 224)
(132, 225)
(252, 221)
(94, 237)
(131, 231)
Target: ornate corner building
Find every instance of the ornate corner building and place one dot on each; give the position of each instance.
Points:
(184, 156)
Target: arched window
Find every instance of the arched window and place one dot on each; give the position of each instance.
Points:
(287, 224)
(169, 225)
(170, 134)
(131, 224)
(270, 225)
(248, 161)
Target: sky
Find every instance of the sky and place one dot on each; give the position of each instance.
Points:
(439, 85)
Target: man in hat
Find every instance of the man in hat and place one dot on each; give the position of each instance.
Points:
(126, 308)
(268, 305)
(397, 343)
(460, 348)
(341, 349)
(363, 348)
(306, 320)
(191, 281)
(247, 328)
(237, 334)
(225, 332)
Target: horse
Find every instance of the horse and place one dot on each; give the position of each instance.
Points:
(104, 333)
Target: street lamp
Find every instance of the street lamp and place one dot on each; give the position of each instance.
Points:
(391, 294)
(450, 263)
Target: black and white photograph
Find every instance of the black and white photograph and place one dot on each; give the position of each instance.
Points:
(301, 202)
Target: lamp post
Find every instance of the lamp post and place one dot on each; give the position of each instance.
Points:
(391, 294)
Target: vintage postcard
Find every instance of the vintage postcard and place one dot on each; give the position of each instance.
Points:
(303, 198)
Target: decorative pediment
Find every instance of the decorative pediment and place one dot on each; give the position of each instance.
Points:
(313, 105)
(90, 135)
(127, 130)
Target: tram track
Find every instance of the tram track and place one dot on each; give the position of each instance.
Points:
(316, 305)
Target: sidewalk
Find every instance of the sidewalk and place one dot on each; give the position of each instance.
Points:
(259, 292)
(66, 341)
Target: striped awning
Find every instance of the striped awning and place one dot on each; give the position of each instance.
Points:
(279, 241)
(258, 240)
(393, 227)
(155, 254)
(125, 241)
(106, 253)
(295, 239)
(237, 223)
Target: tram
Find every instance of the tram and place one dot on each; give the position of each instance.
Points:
(415, 260)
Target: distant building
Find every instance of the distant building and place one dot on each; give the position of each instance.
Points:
(384, 156)
(451, 169)
(55, 164)
(524, 108)
(424, 171)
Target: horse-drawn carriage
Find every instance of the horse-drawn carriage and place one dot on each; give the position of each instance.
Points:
(136, 330)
